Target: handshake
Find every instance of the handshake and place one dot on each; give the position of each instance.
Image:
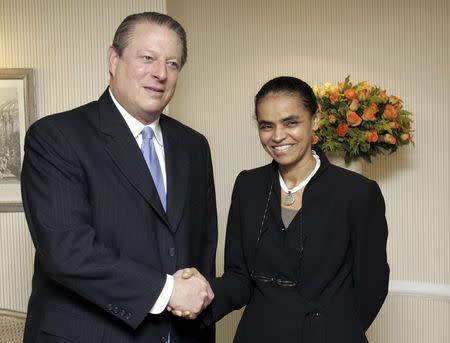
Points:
(191, 294)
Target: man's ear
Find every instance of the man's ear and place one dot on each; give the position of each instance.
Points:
(113, 59)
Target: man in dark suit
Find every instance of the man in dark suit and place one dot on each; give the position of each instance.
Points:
(118, 197)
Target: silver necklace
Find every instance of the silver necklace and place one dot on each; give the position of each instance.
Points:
(289, 198)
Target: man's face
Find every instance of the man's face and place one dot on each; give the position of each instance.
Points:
(145, 76)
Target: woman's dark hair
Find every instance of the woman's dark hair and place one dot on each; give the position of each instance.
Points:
(291, 86)
(125, 30)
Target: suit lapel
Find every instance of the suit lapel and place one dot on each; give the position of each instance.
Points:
(266, 194)
(123, 150)
(177, 170)
(275, 205)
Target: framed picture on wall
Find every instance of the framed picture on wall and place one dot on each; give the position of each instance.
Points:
(17, 112)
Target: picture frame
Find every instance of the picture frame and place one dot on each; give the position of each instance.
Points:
(17, 112)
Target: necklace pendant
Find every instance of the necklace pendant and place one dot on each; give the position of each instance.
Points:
(289, 199)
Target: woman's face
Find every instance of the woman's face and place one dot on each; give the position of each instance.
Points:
(285, 129)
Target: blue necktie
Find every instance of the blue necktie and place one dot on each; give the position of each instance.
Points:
(149, 152)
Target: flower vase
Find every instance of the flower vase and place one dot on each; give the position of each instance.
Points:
(338, 159)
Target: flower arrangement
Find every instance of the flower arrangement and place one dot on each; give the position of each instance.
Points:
(361, 120)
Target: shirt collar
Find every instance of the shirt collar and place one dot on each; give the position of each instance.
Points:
(135, 125)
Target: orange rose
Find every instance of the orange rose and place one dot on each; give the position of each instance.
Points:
(388, 138)
(394, 124)
(364, 91)
(364, 85)
(372, 136)
(354, 105)
(342, 129)
(369, 114)
(334, 96)
(332, 118)
(350, 94)
(353, 119)
(374, 107)
(390, 112)
(382, 95)
(396, 102)
(363, 94)
(405, 137)
(314, 139)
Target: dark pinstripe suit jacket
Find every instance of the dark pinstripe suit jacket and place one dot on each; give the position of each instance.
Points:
(103, 241)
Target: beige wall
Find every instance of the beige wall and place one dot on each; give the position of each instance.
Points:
(234, 47)
(402, 46)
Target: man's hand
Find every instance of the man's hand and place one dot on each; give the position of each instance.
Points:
(191, 293)
(187, 273)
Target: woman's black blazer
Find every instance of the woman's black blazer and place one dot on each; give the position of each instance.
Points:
(344, 267)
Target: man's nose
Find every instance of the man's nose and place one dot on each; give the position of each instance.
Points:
(159, 70)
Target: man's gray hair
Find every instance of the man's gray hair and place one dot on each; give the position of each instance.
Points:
(125, 30)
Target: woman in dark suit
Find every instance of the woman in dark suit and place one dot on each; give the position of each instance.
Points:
(306, 240)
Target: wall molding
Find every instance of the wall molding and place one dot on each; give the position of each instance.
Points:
(419, 289)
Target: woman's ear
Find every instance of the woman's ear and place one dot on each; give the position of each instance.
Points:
(316, 119)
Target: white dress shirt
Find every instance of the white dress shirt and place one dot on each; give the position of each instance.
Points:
(136, 128)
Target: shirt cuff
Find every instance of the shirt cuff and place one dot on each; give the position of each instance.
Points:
(164, 297)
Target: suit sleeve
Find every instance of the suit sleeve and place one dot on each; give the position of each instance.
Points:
(233, 289)
(211, 213)
(371, 270)
(55, 194)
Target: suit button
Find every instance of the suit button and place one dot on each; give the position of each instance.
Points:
(128, 316)
(115, 310)
(110, 307)
(172, 252)
(123, 312)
